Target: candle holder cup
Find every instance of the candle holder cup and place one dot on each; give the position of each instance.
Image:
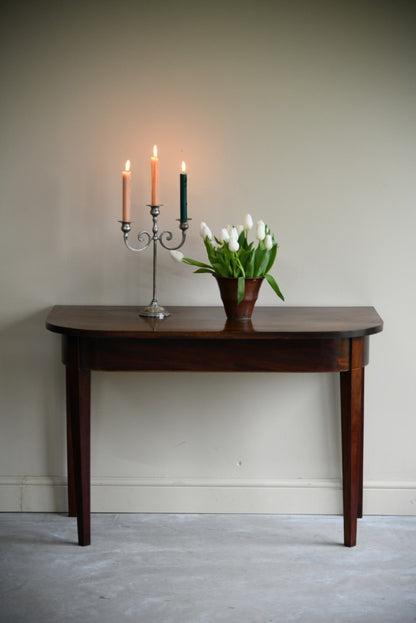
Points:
(146, 238)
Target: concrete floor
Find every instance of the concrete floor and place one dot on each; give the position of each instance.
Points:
(207, 569)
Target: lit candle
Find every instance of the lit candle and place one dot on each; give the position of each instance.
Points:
(183, 184)
(154, 163)
(126, 192)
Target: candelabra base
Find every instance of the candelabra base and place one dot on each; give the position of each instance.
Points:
(154, 310)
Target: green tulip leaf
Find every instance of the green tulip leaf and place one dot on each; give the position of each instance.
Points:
(274, 285)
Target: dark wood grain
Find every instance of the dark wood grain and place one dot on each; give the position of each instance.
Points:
(210, 322)
(72, 502)
(200, 339)
(352, 414)
(78, 416)
(206, 355)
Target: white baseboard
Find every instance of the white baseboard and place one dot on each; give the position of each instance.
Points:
(160, 495)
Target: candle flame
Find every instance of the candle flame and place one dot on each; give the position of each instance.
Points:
(127, 167)
(155, 151)
(183, 166)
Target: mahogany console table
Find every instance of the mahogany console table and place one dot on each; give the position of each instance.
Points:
(200, 339)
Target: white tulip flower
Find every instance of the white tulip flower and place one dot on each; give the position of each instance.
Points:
(205, 231)
(177, 255)
(261, 230)
(224, 235)
(268, 242)
(233, 244)
(240, 228)
(248, 222)
(234, 233)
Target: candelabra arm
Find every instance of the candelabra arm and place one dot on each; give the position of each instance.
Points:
(167, 235)
(142, 236)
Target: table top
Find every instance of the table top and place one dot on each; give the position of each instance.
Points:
(111, 321)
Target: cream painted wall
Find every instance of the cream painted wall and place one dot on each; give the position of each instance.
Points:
(302, 114)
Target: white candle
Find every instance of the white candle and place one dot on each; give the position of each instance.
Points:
(154, 163)
(126, 192)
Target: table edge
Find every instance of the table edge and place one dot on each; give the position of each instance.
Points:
(234, 332)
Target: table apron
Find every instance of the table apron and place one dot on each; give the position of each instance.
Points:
(208, 355)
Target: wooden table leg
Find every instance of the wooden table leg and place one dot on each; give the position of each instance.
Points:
(352, 414)
(361, 456)
(78, 415)
(72, 503)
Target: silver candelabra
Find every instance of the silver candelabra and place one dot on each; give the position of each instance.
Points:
(154, 310)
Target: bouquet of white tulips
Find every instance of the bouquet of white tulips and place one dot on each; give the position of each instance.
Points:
(232, 255)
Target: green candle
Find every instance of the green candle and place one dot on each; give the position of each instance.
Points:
(183, 179)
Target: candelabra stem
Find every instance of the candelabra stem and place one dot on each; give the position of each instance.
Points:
(154, 310)
(154, 297)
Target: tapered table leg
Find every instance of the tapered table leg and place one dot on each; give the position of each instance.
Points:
(352, 413)
(72, 503)
(361, 472)
(78, 406)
